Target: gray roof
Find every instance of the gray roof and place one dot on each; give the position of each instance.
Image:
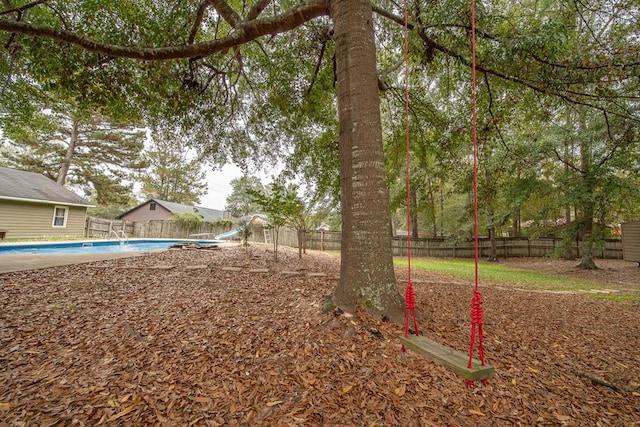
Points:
(206, 213)
(174, 207)
(30, 186)
(209, 214)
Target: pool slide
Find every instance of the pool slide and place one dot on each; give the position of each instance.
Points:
(240, 229)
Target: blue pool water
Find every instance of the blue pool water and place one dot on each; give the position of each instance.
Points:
(94, 246)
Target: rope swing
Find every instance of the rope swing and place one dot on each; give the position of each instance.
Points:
(409, 297)
(476, 302)
(468, 367)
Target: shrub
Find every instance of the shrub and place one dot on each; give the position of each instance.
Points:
(223, 222)
(188, 220)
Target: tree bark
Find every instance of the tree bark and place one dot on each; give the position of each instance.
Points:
(567, 251)
(587, 205)
(586, 246)
(71, 150)
(515, 229)
(367, 277)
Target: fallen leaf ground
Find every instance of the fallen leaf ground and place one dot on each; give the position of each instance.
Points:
(229, 337)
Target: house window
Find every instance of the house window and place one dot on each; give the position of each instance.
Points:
(60, 214)
(152, 206)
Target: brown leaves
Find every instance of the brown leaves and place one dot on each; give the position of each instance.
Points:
(126, 411)
(202, 346)
(400, 390)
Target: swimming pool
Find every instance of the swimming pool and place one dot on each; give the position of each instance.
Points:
(93, 246)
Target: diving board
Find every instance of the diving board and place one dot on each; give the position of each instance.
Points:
(454, 360)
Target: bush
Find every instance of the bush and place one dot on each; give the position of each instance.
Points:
(223, 222)
(188, 220)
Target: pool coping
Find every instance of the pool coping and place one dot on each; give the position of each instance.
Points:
(10, 263)
(18, 262)
(96, 242)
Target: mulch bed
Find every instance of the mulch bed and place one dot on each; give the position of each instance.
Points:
(173, 338)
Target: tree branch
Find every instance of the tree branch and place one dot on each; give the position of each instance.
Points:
(598, 380)
(317, 69)
(569, 96)
(494, 120)
(22, 8)
(566, 163)
(198, 21)
(227, 13)
(257, 9)
(243, 33)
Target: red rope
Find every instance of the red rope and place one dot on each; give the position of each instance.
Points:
(409, 297)
(476, 303)
(406, 133)
(410, 310)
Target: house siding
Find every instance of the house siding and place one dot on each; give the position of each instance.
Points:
(32, 220)
(144, 213)
(631, 241)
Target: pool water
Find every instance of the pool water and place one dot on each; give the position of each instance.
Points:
(94, 246)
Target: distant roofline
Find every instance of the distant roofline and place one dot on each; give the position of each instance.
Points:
(164, 203)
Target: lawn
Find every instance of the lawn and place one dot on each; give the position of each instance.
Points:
(499, 274)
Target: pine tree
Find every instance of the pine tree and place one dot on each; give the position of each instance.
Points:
(172, 175)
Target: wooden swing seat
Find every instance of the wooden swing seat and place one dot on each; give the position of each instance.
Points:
(454, 360)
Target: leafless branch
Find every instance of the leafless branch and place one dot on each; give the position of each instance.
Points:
(198, 21)
(614, 386)
(494, 120)
(317, 69)
(616, 144)
(567, 163)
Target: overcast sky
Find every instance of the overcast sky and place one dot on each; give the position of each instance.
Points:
(219, 183)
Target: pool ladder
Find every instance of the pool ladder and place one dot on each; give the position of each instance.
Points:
(121, 236)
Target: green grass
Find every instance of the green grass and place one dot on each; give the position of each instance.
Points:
(501, 275)
(618, 297)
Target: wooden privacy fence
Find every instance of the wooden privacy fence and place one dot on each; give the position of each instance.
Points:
(506, 247)
(104, 228)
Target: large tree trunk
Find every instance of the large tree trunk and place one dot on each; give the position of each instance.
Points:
(586, 246)
(71, 150)
(367, 278)
(587, 205)
(516, 226)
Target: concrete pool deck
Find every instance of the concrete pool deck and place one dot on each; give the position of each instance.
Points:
(19, 262)
(12, 263)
